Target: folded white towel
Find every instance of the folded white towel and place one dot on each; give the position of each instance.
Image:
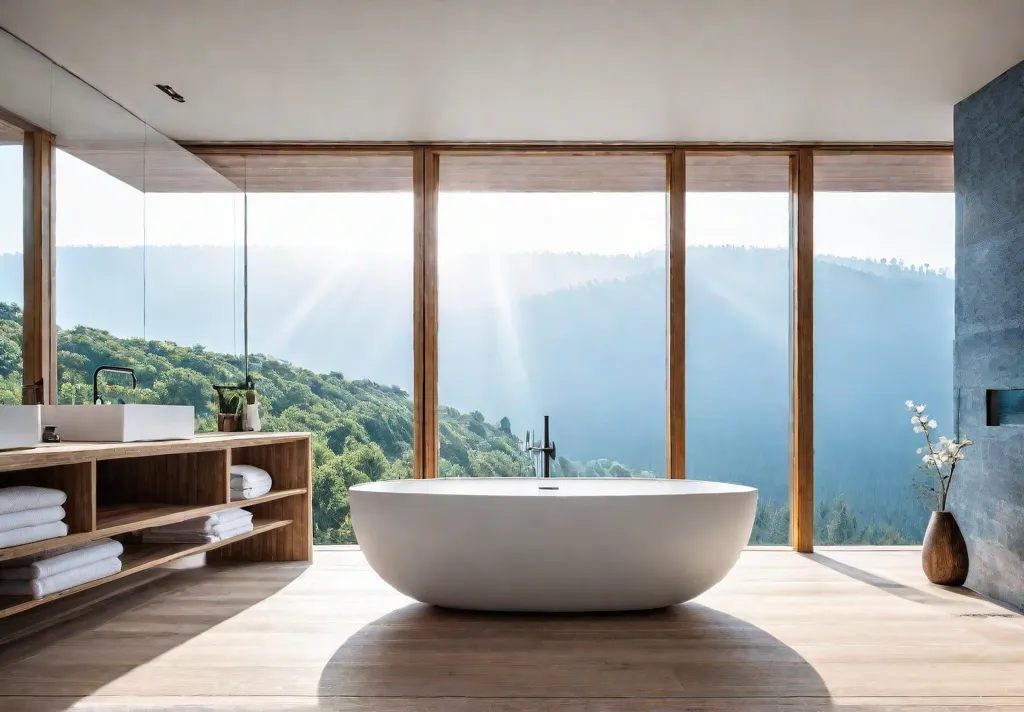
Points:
(225, 518)
(152, 536)
(20, 498)
(26, 535)
(37, 588)
(30, 518)
(248, 475)
(79, 556)
(235, 514)
(241, 528)
(250, 492)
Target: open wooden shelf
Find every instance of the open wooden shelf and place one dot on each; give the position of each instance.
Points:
(114, 489)
(123, 518)
(136, 558)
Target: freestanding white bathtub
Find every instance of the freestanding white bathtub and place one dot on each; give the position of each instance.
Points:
(555, 545)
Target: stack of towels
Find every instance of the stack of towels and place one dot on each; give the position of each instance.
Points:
(205, 530)
(248, 482)
(61, 569)
(30, 514)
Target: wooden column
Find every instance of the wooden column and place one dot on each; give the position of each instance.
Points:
(426, 176)
(39, 352)
(801, 219)
(675, 467)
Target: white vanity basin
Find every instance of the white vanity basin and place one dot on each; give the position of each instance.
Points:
(120, 423)
(20, 426)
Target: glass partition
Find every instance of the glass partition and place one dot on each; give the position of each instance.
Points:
(12, 258)
(194, 225)
(148, 242)
(330, 314)
(737, 329)
(551, 295)
(883, 335)
(100, 293)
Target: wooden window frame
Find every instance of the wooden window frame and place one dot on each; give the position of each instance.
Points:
(426, 166)
(39, 329)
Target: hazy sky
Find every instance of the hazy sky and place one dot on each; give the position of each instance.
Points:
(94, 208)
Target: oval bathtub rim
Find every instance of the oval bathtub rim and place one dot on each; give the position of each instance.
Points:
(399, 487)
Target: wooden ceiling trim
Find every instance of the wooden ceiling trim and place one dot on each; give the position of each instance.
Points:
(11, 135)
(577, 168)
(567, 147)
(553, 173)
(878, 172)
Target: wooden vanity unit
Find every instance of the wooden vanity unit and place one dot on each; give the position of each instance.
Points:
(119, 489)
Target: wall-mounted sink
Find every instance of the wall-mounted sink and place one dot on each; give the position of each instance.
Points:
(20, 426)
(122, 423)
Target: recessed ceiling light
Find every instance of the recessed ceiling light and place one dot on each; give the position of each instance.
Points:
(169, 91)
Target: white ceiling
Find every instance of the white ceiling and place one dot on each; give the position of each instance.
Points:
(533, 70)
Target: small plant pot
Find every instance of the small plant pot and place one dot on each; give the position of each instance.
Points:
(944, 554)
(229, 422)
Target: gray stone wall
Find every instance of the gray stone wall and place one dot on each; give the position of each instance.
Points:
(988, 499)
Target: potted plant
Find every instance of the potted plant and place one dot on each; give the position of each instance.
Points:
(231, 405)
(944, 553)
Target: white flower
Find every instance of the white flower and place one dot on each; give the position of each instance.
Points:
(915, 420)
(918, 429)
(920, 408)
(932, 424)
(910, 405)
(926, 458)
(920, 450)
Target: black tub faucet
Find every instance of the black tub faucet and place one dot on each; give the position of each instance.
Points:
(96, 400)
(547, 449)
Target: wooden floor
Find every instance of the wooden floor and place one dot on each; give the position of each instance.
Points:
(841, 629)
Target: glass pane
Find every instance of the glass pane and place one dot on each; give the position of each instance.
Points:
(330, 316)
(737, 330)
(12, 296)
(552, 303)
(194, 232)
(883, 334)
(100, 240)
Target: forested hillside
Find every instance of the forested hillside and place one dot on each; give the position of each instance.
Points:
(578, 337)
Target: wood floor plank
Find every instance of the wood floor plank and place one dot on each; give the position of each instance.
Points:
(838, 630)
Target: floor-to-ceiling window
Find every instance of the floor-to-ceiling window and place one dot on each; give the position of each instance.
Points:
(551, 294)
(12, 199)
(737, 329)
(883, 335)
(330, 318)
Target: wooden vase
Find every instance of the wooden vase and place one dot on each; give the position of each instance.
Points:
(229, 422)
(944, 556)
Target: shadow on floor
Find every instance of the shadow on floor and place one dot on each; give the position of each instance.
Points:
(896, 588)
(88, 629)
(926, 596)
(672, 658)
